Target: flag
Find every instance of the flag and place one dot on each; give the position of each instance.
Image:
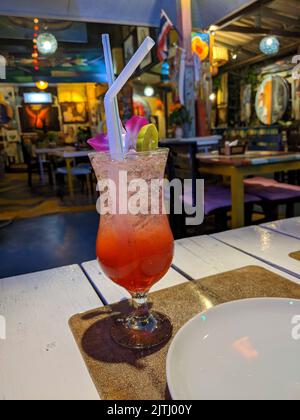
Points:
(165, 26)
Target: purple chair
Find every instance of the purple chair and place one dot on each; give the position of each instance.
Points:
(273, 194)
(183, 164)
(218, 203)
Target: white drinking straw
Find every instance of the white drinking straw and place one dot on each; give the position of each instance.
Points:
(111, 75)
(113, 126)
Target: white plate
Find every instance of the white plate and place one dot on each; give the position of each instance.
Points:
(248, 349)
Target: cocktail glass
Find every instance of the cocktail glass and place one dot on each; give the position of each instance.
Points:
(135, 244)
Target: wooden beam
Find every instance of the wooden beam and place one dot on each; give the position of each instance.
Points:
(269, 13)
(242, 13)
(261, 31)
(262, 57)
(238, 48)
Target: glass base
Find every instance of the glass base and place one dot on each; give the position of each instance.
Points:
(142, 332)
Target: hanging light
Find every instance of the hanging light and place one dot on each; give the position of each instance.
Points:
(212, 97)
(149, 91)
(42, 84)
(270, 45)
(165, 72)
(47, 44)
(234, 55)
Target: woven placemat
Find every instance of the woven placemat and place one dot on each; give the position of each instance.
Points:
(295, 255)
(121, 374)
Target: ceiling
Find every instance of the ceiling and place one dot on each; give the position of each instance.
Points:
(243, 32)
(79, 57)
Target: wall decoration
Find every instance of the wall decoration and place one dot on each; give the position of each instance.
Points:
(141, 107)
(39, 117)
(74, 112)
(246, 103)
(142, 34)
(126, 102)
(272, 99)
(201, 45)
(295, 99)
(129, 48)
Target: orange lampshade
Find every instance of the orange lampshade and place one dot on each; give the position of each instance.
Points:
(220, 56)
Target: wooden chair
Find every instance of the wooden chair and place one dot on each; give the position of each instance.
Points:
(294, 146)
(81, 170)
(274, 194)
(32, 163)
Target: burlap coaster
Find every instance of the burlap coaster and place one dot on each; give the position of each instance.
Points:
(295, 255)
(122, 374)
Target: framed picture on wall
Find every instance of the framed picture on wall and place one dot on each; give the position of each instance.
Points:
(155, 120)
(142, 33)
(74, 112)
(129, 47)
(39, 117)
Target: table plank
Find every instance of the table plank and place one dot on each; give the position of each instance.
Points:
(249, 158)
(112, 293)
(290, 227)
(204, 256)
(270, 247)
(39, 358)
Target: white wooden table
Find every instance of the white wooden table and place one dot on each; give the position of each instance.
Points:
(268, 246)
(39, 358)
(204, 256)
(194, 258)
(290, 227)
(112, 293)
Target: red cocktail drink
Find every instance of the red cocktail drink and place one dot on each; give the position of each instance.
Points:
(135, 244)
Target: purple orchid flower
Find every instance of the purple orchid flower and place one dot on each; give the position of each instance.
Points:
(133, 127)
(99, 143)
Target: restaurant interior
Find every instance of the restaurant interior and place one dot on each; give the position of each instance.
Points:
(221, 91)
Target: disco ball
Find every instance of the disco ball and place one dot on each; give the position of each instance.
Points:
(47, 44)
(270, 45)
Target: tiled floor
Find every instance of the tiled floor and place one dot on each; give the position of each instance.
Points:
(18, 201)
(47, 242)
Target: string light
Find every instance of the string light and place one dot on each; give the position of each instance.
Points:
(35, 55)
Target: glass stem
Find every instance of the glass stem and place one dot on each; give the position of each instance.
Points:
(140, 303)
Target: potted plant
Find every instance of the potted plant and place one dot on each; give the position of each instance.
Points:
(180, 120)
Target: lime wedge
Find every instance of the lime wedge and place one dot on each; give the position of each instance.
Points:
(147, 138)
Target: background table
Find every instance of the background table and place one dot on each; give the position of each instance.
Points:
(204, 144)
(39, 358)
(239, 167)
(290, 227)
(270, 247)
